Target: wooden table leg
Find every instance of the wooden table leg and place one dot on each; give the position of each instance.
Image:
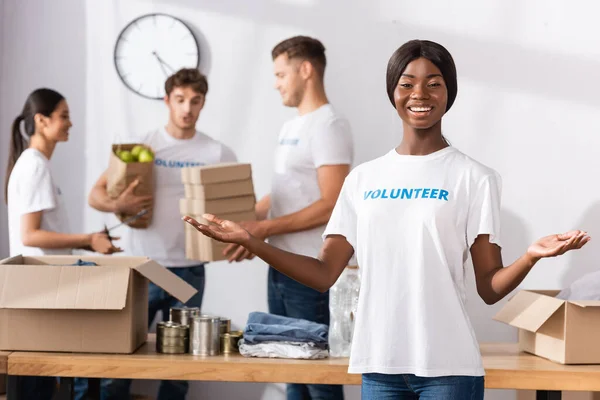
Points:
(12, 387)
(65, 389)
(548, 395)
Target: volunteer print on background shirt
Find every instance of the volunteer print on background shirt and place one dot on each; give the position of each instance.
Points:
(411, 221)
(164, 239)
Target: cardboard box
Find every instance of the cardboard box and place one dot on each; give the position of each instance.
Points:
(120, 175)
(235, 217)
(202, 248)
(216, 206)
(47, 304)
(224, 172)
(219, 190)
(563, 331)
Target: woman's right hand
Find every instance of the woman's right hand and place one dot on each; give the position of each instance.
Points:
(101, 243)
(221, 230)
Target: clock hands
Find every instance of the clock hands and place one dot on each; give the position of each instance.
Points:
(162, 64)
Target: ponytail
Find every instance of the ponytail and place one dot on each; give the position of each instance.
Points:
(17, 146)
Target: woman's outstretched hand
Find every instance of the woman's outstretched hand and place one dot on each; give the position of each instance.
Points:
(221, 230)
(556, 245)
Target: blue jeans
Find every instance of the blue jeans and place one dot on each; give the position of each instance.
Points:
(292, 299)
(411, 387)
(159, 300)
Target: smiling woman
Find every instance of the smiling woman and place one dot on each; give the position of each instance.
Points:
(412, 335)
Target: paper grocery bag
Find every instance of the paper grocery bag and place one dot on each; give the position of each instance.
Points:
(121, 174)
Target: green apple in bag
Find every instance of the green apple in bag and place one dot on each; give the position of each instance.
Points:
(137, 149)
(145, 156)
(126, 156)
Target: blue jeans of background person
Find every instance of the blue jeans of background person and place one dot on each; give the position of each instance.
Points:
(411, 387)
(292, 299)
(159, 300)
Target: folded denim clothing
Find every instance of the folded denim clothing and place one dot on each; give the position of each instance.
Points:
(264, 327)
(296, 350)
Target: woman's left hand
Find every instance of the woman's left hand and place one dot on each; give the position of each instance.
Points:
(556, 245)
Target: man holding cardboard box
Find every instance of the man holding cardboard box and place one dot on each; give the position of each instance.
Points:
(314, 156)
(176, 146)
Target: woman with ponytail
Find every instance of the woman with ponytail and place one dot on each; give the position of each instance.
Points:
(37, 219)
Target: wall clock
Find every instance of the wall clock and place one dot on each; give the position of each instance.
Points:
(150, 49)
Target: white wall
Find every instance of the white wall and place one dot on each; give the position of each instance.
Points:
(527, 106)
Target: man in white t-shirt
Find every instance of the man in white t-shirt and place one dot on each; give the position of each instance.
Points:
(175, 146)
(314, 155)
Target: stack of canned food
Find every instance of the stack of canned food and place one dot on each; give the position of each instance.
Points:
(188, 331)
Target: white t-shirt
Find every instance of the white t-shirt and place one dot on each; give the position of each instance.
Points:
(306, 143)
(411, 221)
(164, 239)
(32, 189)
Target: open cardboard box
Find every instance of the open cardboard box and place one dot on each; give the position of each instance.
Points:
(47, 304)
(563, 331)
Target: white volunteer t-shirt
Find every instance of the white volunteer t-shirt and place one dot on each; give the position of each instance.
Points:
(412, 221)
(32, 189)
(164, 239)
(307, 142)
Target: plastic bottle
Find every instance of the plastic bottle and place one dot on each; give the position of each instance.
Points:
(343, 300)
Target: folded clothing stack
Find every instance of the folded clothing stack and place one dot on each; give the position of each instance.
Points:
(274, 336)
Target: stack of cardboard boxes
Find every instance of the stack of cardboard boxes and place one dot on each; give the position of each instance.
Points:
(225, 190)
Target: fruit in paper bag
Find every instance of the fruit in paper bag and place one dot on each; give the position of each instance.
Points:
(145, 156)
(126, 156)
(137, 150)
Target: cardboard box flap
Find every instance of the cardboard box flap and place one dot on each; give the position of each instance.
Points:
(528, 310)
(167, 280)
(63, 287)
(586, 303)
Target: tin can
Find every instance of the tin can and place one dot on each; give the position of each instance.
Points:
(172, 338)
(204, 335)
(229, 342)
(183, 315)
(225, 325)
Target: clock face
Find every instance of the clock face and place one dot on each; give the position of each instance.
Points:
(152, 48)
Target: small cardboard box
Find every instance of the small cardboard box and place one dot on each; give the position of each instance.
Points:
(217, 206)
(48, 304)
(224, 172)
(202, 248)
(563, 331)
(219, 190)
(121, 174)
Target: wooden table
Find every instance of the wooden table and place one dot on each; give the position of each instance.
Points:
(505, 367)
(3, 361)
